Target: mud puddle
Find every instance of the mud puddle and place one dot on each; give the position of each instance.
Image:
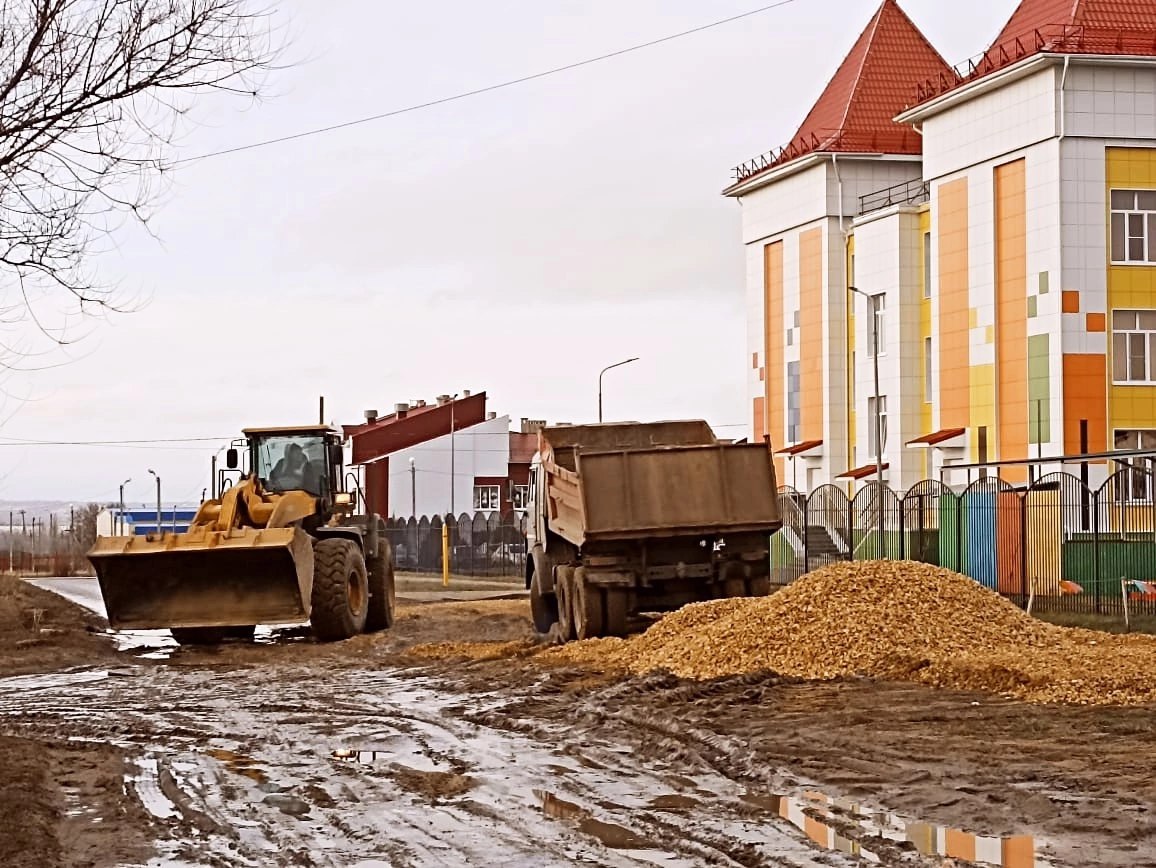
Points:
(346, 766)
(846, 826)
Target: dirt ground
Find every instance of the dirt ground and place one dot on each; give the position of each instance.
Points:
(287, 752)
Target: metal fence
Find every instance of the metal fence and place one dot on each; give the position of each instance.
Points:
(482, 544)
(1056, 542)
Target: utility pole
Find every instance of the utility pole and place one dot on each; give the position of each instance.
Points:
(23, 525)
(453, 477)
(413, 487)
(11, 542)
(160, 531)
(120, 515)
(878, 420)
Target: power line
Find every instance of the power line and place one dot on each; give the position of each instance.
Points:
(487, 89)
(21, 441)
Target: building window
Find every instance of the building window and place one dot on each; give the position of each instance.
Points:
(1133, 226)
(927, 370)
(1135, 480)
(487, 498)
(521, 497)
(1134, 346)
(877, 306)
(927, 265)
(871, 447)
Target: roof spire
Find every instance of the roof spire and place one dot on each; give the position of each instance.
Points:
(876, 81)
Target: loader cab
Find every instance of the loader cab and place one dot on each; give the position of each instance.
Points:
(296, 459)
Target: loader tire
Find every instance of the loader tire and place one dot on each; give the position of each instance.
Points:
(382, 591)
(543, 607)
(211, 635)
(198, 635)
(340, 590)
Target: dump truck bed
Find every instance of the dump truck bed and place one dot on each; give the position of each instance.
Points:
(662, 491)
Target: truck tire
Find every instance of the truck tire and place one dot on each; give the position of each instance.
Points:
(615, 609)
(587, 607)
(340, 590)
(564, 586)
(759, 586)
(734, 588)
(543, 607)
(382, 591)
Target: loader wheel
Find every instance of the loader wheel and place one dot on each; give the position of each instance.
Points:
(543, 607)
(198, 635)
(340, 590)
(564, 586)
(587, 607)
(382, 591)
(211, 635)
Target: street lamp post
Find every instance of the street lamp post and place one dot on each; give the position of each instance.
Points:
(878, 420)
(413, 487)
(120, 516)
(601, 373)
(154, 473)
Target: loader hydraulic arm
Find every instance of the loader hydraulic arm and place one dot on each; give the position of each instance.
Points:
(246, 505)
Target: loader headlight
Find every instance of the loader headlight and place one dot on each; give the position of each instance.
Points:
(343, 498)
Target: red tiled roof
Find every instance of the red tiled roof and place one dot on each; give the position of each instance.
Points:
(1134, 16)
(1112, 27)
(861, 472)
(872, 85)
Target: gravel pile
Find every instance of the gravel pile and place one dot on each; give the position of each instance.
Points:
(894, 620)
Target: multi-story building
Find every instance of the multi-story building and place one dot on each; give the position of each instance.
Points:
(995, 225)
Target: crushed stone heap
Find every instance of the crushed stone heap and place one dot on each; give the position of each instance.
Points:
(895, 620)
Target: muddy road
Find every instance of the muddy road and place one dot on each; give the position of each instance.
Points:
(286, 752)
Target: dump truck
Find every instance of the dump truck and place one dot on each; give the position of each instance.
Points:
(282, 545)
(630, 518)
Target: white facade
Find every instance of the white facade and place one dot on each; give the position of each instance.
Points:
(480, 451)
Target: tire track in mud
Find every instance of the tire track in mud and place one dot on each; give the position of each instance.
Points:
(246, 771)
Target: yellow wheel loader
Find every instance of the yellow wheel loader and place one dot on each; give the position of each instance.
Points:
(281, 546)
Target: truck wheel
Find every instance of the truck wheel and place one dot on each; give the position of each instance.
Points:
(759, 586)
(564, 585)
(382, 591)
(615, 608)
(587, 607)
(340, 590)
(543, 607)
(734, 588)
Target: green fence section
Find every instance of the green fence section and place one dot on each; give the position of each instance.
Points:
(1119, 559)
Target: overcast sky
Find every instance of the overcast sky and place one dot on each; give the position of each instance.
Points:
(515, 242)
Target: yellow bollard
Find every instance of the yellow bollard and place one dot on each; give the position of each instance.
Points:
(445, 555)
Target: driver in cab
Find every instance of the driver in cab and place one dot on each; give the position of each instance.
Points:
(294, 472)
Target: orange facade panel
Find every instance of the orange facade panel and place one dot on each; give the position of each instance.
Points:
(954, 306)
(811, 355)
(1011, 276)
(1085, 399)
(775, 376)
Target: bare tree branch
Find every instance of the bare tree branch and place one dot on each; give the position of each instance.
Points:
(92, 94)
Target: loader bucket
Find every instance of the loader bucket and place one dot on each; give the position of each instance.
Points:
(205, 578)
